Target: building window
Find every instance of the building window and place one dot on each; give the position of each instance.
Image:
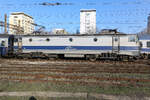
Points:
(15, 16)
(95, 39)
(87, 23)
(87, 14)
(15, 22)
(30, 39)
(148, 44)
(70, 39)
(47, 39)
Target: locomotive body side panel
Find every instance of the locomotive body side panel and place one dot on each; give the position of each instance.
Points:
(80, 45)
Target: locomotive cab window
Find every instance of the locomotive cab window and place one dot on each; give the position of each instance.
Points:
(141, 44)
(132, 39)
(148, 44)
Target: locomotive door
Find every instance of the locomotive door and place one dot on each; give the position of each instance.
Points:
(115, 44)
(19, 44)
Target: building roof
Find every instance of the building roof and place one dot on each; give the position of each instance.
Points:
(20, 13)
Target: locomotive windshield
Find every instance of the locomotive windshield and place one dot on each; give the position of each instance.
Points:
(133, 38)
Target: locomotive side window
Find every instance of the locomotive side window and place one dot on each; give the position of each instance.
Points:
(30, 39)
(148, 44)
(95, 39)
(70, 39)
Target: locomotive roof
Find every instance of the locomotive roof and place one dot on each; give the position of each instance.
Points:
(144, 37)
(76, 34)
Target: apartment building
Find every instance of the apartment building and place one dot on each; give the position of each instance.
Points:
(20, 23)
(88, 21)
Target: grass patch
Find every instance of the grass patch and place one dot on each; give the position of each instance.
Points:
(8, 86)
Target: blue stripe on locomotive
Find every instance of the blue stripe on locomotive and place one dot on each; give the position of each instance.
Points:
(77, 47)
(145, 49)
(3, 51)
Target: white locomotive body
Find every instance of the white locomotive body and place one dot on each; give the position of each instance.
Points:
(79, 45)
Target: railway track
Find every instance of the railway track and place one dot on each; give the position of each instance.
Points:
(75, 68)
(104, 82)
(131, 70)
(69, 71)
(42, 76)
(140, 61)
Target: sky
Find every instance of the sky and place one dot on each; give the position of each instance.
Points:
(128, 16)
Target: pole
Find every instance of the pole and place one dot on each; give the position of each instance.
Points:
(5, 23)
(19, 27)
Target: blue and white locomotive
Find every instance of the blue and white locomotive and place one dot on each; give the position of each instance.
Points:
(90, 46)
